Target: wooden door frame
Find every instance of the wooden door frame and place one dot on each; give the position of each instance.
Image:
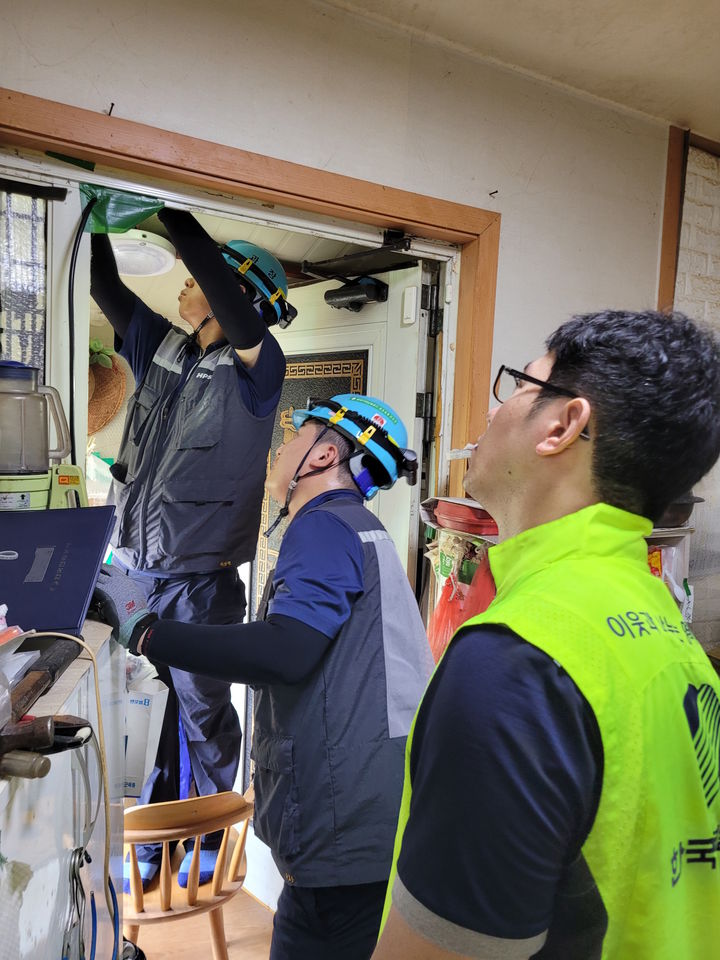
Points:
(679, 142)
(677, 153)
(123, 145)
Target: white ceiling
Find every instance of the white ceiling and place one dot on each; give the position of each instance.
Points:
(661, 57)
(288, 246)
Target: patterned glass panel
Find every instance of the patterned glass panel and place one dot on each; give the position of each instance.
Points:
(308, 375)
(22, 279)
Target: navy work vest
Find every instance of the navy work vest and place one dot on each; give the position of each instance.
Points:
(329, 751)
(191, 467)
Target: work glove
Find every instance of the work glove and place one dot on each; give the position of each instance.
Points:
(121, 604)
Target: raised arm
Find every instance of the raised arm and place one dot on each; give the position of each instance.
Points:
(108, 291)
(242, 325)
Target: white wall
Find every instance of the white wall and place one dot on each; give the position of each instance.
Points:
(579, 184)
(697, 293)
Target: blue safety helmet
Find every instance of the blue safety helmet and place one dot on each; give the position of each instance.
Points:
(265, 275)
(377, 433)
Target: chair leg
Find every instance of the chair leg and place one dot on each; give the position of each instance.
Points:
(217, 932)
(131, 932)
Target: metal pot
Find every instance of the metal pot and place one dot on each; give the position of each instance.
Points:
(679, 511)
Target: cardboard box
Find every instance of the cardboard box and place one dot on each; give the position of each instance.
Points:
(144, 711)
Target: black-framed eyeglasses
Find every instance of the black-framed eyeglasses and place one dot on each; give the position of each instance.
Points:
(508, 381)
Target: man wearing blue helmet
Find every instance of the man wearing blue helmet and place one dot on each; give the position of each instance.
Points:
(188, 481)
(339, 659)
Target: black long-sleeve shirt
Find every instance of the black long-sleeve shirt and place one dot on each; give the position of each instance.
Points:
(232, 305)
(116, 301)
(277, 650)
(241, 324)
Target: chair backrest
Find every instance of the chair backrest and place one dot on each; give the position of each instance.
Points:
(179, 820)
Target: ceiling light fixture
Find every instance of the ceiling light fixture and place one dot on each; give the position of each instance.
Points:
(142, 254)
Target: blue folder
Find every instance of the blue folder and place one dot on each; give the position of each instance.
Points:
(49, 565)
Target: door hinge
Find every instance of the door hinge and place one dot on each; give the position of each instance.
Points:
(430, 302)
(425, 411)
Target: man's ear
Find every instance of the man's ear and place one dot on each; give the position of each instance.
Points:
(565, 428)
(323, 454)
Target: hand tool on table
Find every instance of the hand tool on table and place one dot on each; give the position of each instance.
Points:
(45, 671)
(24, 746)
(35, 734)
(18, 745)
(24, 763)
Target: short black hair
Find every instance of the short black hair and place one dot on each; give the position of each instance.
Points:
(653, 381)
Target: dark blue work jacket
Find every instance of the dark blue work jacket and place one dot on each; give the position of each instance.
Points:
(329, 751)
(191, 467)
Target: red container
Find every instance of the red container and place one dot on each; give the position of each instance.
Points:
(465, 517)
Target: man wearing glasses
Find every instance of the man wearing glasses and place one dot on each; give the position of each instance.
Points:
(562, 792)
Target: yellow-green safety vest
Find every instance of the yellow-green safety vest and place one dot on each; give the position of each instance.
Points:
(579, 589)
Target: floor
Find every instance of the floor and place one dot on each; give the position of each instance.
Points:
(248, 928)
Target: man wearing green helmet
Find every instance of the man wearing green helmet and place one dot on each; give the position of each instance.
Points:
(339, 660)
(188, 481)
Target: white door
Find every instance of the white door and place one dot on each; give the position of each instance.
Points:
(391, 333)
(394, 335)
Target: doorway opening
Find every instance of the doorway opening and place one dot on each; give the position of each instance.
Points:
(318, 207)
(394, 342)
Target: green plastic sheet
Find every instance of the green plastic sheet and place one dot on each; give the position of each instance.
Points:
(116, 210)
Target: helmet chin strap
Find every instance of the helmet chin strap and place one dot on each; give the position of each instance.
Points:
(285, 509)
(192, 337)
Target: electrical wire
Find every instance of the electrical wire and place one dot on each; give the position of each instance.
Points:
(71, 321)
(93, 925)
(110, 898)
(116, 919)
(75, 926)
(96, 746)
(78, 858)
(89, 824)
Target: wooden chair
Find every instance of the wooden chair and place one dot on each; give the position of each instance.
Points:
(179, 820)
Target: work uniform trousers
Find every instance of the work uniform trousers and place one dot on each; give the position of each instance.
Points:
(327, 923)
(209, 720)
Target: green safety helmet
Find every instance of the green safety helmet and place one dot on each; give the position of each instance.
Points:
(266, 276)
(377, 433)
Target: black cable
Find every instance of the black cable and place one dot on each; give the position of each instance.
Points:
(71, 322)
